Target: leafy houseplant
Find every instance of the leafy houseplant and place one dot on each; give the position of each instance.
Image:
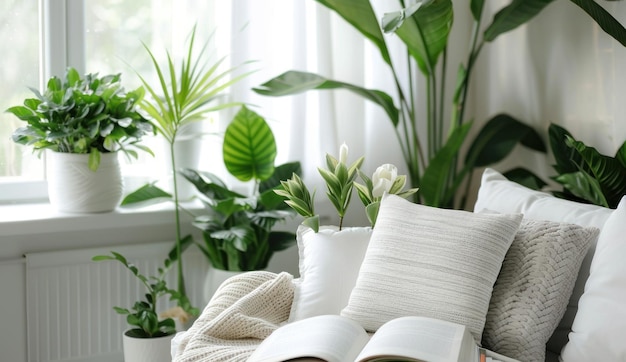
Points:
(238, 228)
(586, 174)
(181, 99)
(83, 122)
(90, 115)
(143, 316)
(340, 181)
(432, 158)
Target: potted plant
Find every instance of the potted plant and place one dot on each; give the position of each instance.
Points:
(149, 337)
(238, 227)
(176, 103)
(83, 121)
(432, 157)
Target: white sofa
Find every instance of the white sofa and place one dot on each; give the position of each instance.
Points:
(536, 248)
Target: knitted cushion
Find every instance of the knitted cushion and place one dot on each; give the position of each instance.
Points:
(431, 262)
(531, 293)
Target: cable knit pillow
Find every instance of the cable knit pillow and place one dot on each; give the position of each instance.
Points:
(430, 262)
(532, 291)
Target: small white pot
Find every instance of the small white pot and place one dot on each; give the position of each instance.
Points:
(147, 349)
(73, 187)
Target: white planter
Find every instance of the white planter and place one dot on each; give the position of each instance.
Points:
(147, 349)
(73, 187)
(215, 278)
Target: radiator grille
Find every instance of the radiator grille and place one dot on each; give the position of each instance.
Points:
(70, 299)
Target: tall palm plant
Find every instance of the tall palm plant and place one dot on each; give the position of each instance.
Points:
(182, 98)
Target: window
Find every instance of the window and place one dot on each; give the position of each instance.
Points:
(44, 37)
(19, 32)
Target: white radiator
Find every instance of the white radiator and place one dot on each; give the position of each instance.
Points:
(70, 299)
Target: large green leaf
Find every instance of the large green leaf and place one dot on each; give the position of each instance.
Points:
(477, 8)
(497, 139)
(146, 193)
(584, 186)
(608, 171)
(434, 183)
(361, 16)
(294, 82)
(606, 21)
(525, 177)
(567, 159)
(424, 28)
(249, 147)
(515, 14)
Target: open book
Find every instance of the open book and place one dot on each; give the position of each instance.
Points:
(333, 338)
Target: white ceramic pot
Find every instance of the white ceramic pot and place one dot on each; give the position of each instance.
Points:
(73, 187)
(215, 278)
(147, 349)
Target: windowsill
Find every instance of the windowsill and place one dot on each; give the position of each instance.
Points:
(36, 227)
(17, 219)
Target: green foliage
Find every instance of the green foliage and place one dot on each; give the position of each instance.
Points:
(83, 115)
(143, 315)
(586, 174)
(298, 197)
(238, 229)
(181, 99)
(424, 27)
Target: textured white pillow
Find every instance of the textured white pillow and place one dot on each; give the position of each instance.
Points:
(329, 265)
(534, 286)
(599, 329)
(499, 194)
(432, 262)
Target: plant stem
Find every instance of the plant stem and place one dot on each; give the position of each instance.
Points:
(181, 277)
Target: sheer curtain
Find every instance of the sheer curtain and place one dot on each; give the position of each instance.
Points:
(560, 68)
(282, 35)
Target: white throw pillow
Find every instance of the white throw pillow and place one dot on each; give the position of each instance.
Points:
(499, 194)
(534, 285)
(431, 262)
(329, 265)
(599, 329)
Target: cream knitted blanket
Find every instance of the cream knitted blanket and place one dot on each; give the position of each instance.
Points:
(244, 311)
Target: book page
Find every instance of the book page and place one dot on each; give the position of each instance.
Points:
(420, 339)
(331, 338)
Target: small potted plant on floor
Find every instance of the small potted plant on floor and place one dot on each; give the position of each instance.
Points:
(149, 338)
(83, 122)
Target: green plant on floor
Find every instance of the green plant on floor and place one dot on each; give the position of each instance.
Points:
(183, 96)
(238, 227)
(143, 316)
(90, 115)
(433, 158)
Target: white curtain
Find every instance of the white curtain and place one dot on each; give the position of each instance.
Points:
(558, 68)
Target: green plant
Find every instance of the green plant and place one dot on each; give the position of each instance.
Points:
(143, 315)
(237, 229)
(83, 115)
(586, 174)
(433, 158)
(179, 100)
(340, 181)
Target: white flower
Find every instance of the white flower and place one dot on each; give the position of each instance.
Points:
(343, 153)
(383, 179)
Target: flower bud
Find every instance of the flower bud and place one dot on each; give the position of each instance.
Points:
(343, 153)
(383, 179)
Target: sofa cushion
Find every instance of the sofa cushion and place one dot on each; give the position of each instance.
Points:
(599, 329)
(499, 194)
(531, 293)
(329, 265)
(432, 262)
